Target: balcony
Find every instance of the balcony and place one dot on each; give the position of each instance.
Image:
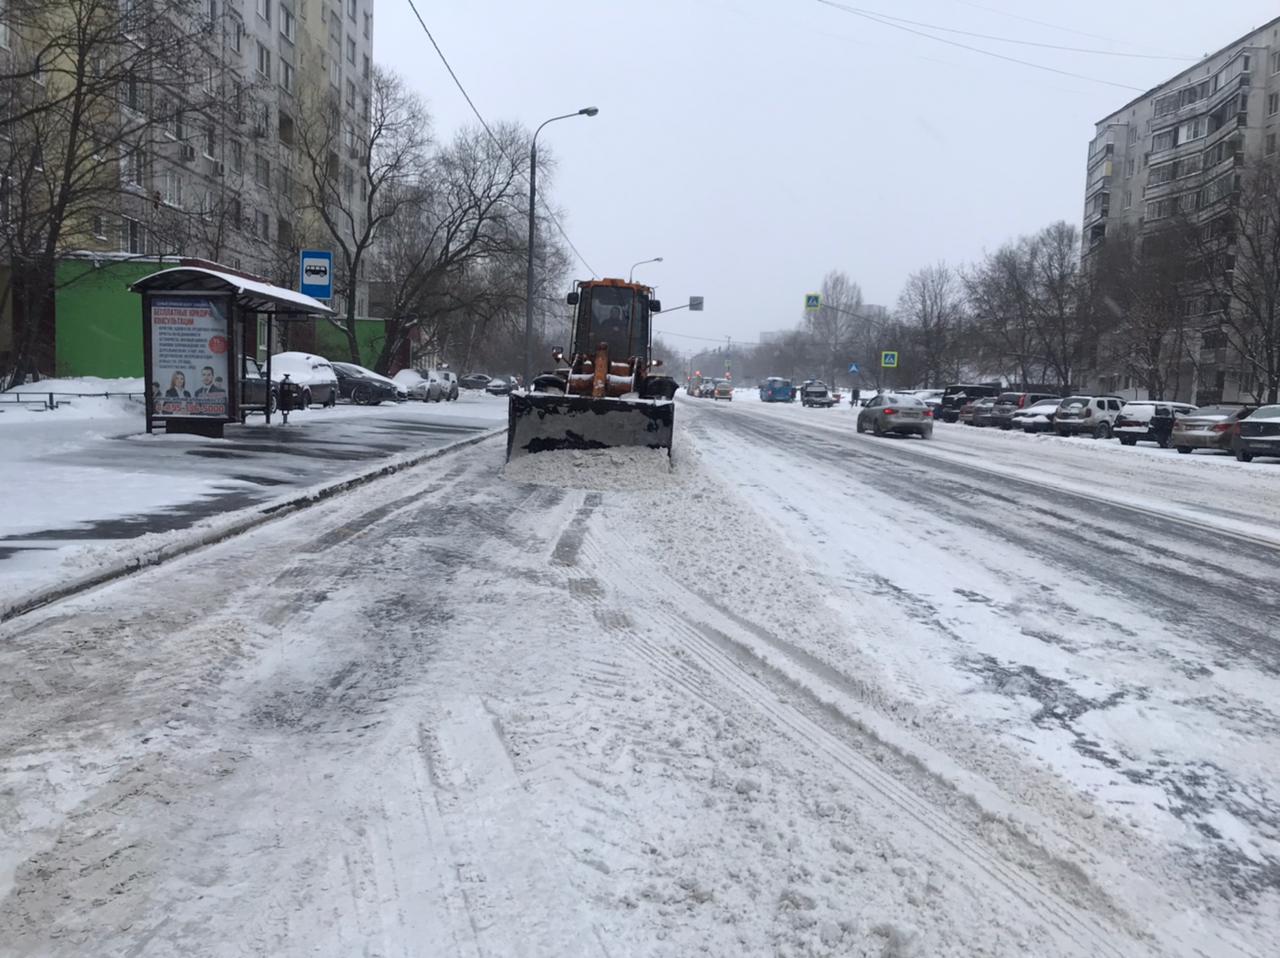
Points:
(1093, 189)
(1106, 151)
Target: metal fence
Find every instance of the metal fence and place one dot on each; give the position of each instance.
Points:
(50, 400)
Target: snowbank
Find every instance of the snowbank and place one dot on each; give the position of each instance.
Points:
(629, 468)
(86, 398)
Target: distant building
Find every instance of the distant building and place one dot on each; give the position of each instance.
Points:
(1178, 149)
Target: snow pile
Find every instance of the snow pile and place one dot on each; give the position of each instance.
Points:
(87, 398)
(621, 468)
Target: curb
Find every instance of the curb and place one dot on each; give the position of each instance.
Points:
(242, 523)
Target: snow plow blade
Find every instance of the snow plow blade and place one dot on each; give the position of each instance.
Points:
(541, 422)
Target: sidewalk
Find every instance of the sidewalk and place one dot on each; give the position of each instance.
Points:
(84, 486)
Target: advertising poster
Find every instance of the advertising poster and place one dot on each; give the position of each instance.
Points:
(190, 349)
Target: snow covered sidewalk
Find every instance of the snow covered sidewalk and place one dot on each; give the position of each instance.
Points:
(85, 488)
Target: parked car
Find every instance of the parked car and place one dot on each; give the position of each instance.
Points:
(255, 394)
(776, 389)
(815, 393)
(418, 387)
(448, 382)
(1209, 427)
(1008, 403)
(977, 412)
(498, 386)
(1037, 417)
(1088, 415)
(1152, 421)
(955, 398)
(888, 413)
(1258, 434)
(363, 386)
(314, 375)
(474, 381)
(723, 390)
(930, 397)
(707, 389)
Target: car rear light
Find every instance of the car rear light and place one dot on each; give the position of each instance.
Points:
(928, 414)
(1224, 427)
(890, 412)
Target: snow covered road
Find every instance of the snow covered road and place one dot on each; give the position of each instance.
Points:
(805, 695)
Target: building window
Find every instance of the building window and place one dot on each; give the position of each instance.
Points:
(1130, 166)
(368, 18)
(286, 76)
(264, 60)
(1273, 104)
(351, 10)
(1128, 199)
(335, 73)
(132, 238)
(262, 170)
(131, 164)
(348, 180)
(4, 25)
(210, 140)
(1275, 62)
(1271, 143)
(365, 70)
(264, 224)
(171, 188)
(364, 107)
(237, 156)
(132, 93)
(237, 34)
(264, 9)
(288, 24)
(351, 50)
(351, 95)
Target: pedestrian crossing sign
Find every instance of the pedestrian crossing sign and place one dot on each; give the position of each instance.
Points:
(812, 301)
(889, 360)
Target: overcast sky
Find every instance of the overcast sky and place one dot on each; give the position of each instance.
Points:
(756, 144)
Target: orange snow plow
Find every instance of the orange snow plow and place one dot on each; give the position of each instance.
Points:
(604, 393)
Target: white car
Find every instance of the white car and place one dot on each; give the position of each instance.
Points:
(1088, 415)
(417, 386)
(313, 373)
(447, 382)
(1038, 417)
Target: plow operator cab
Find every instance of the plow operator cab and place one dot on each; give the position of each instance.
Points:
(606, 390)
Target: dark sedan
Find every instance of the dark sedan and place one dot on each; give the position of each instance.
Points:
(474, 381)
(1258, 435)
(499, 387)
(363, 386)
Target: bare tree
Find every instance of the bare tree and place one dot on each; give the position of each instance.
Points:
(1238, 258)
(932, 307)
(87, 105)
(356, 182)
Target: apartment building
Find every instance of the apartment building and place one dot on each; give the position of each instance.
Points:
(1178, 150)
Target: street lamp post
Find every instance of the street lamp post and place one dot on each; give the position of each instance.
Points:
(632, 275)
(528, 287)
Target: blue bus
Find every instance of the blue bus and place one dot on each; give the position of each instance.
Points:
(776, 389)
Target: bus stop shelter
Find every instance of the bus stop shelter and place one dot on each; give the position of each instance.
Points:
(194, 318)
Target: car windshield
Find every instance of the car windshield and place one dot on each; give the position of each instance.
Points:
(1216, 412)
(1266, 412)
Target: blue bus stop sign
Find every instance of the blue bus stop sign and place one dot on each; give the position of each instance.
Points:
(315, 273)
(853, 368)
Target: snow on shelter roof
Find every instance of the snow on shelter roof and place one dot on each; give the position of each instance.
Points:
(251, 294)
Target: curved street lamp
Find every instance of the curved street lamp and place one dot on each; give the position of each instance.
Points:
(631, 275)
(533, 191)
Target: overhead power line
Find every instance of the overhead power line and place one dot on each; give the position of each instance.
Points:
(998, 39)
(877, 18)
(474, 109)
(1043, 23)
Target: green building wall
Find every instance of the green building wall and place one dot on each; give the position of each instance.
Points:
(99, 322)
(331, 342)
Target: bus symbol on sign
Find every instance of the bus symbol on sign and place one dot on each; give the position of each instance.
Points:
(316, 274)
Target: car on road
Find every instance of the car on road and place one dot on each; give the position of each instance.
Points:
(1088, 415)
(499, 386)
(1149, 421)
(816, 393)
(955, 398)
(1037, 417)
(977, 412)
(1008, 403)
(314, 375)
(1209, 427)
(904, 415)
(417, 386)
(1258, 434)
(723, 390)
(474, 381)
(364, 387)
(777, 389)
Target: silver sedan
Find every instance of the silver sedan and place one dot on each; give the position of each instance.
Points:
(905, 415)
